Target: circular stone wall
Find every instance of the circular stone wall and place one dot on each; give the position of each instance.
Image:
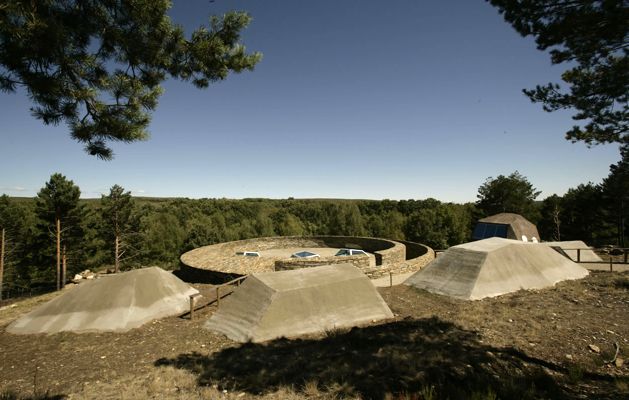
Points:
(220, 263)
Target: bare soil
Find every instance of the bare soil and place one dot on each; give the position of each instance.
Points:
(526, 345)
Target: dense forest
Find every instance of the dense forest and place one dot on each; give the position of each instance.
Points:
(118, 231)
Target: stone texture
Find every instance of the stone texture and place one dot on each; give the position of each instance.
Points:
(222, 264)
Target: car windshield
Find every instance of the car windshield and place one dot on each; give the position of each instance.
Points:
(305, 254)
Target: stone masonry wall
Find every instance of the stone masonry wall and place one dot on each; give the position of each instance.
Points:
(222, 264)
(361, 262)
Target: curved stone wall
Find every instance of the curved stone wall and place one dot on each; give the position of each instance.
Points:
(219, 262)
(361, 262)
(386, 251)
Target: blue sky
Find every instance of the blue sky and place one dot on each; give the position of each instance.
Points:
(353, 99)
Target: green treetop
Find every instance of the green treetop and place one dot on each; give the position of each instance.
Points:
(592, 36)
(97, 65)
(513, 194)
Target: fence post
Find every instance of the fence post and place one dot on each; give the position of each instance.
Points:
(218, 296)
(611, 260)
(191, 307)
(390, 279)
(578, 255)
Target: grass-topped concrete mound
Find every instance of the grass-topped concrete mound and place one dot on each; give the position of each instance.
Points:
(221, 262)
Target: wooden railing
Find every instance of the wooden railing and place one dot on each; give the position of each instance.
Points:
(604, 250)
(611, 261)
(194, 297)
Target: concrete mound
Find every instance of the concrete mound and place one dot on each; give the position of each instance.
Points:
(115, 303)
(291, 303)
(566, 246)
(495, 266)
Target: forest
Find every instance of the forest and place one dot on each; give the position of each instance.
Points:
(57, 228)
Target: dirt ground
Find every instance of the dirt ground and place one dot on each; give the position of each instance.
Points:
(551, 343)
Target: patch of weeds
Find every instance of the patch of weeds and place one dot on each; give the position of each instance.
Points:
(311, 389)
(487, 395)
(335, 332)
(622, 384)
(428, 393)
(622, 283)
(10, 395)
(575, 373)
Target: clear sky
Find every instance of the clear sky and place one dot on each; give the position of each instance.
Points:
(353, 99)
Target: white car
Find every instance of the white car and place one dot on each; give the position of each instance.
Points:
(351, 252)
(305, 254)
(248, 253)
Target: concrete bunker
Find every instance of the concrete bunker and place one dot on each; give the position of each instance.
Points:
(494, 266)
(569, 248)
(303, 301)
(115, 303)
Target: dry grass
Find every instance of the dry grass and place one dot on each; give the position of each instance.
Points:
(15, 309)
(513, 346)
(176, 384)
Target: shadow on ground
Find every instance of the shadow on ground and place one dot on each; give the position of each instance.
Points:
(407, 357)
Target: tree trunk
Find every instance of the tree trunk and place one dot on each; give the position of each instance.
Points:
(58, 253)
(117, 255)
(63, 269)
(1, 262)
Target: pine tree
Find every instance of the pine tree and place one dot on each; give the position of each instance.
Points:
(592, 37)
(117, 209)
(97, 65)
(57, 205)
(512, 194)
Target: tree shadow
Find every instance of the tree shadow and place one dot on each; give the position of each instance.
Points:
(400, 358)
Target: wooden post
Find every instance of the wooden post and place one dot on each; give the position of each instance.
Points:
(1, 262)
(63, 268)
(191, 307)
(390, 279)
(58, 253)
(218, 296)
(611, 260)
(578, 255)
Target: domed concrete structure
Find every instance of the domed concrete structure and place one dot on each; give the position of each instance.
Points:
(495, 266)
(114, 303)
(270, 305)
(506, 225)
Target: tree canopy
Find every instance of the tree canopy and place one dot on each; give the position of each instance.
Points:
(513, 193)
(97, 65)
(592, 36)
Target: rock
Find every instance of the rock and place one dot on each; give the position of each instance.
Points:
(595, 348)
(619, 362)
(510, 320)
(569, 356)
(77, 277)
